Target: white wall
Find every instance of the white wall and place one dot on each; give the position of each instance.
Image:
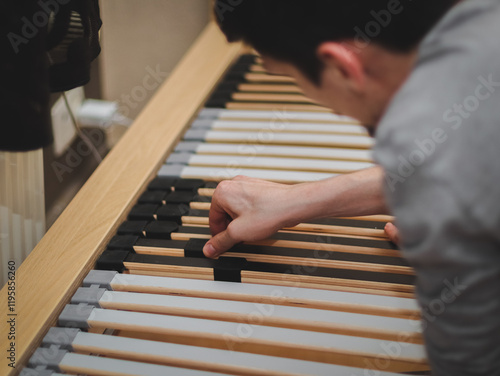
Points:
(142, 41)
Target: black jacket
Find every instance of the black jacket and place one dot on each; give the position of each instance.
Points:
(46, 45)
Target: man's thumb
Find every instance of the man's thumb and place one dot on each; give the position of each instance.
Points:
(219, 244)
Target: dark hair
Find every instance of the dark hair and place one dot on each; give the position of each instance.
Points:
(291, 30)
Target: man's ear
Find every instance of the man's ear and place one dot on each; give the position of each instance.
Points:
(339, 56)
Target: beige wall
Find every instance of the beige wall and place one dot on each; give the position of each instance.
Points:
(142, 41)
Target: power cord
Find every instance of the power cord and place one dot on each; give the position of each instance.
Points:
(79, 131)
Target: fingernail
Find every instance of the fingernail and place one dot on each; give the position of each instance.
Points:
(209, 250)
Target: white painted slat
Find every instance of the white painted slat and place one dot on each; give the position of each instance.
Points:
(262, 310)
(276, 150)
(294, 164)
(224, 357)
(97, 365)
(122, 281)
(220, 173)
(269, 137)
(281, 126)
(200, 327)
(290, 115)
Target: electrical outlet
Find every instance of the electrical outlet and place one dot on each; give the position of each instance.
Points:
(62, 126)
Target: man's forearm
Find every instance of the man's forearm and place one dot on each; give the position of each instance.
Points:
(356, 194)
(246, 209)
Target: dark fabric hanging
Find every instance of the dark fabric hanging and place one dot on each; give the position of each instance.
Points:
(46, 45)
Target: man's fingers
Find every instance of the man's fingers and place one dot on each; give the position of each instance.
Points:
(219, 219)
(219, 244)
(392, 232)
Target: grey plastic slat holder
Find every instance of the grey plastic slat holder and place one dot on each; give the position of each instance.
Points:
(179, 158)
(210, 113)
(202, 123)
(88, 295)
(101, 278)
(75, 316)
(172, 170)
(48, 357)
(62, 337)
(188, 146)
(38, 372)
(195, 134)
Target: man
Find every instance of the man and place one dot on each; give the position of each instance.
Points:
(424, 76)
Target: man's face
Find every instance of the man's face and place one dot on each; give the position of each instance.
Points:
(366, 102)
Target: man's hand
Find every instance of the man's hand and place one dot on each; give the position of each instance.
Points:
(247, 209)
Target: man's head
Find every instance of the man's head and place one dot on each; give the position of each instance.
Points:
(349, 55)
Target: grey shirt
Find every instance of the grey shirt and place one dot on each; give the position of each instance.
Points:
(439, 143)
